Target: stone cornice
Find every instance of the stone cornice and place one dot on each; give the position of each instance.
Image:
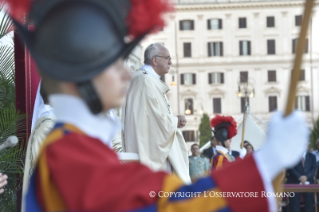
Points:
(236, 5)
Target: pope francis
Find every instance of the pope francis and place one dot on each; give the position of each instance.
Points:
(150, 128)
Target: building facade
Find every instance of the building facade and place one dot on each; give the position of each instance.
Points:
(222, 49)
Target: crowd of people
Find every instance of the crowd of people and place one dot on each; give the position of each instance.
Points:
(84, 76)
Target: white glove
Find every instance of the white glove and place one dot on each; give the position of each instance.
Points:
(285, 144)
(242, 152)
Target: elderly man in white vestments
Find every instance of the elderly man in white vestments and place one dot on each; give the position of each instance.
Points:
(150, 128)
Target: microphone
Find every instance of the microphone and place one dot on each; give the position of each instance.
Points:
(10, 142)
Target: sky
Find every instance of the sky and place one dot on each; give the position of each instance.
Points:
(7, 40)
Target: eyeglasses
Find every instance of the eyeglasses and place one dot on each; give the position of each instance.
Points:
(168, 58)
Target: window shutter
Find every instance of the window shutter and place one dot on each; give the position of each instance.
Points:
(307, 103)
(217, 105)
(209, 49)
(221, 49)
(192, 25)
(194, 79)
(210, 80)
(242, 104)
(181, 25)
(208, 24)
(248, 43)
(220, 26)
(302, 75)
(222, 78)
(182, 79)
(240, 48)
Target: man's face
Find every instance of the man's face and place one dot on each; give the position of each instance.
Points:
(249, 149)
(227, 143)
(111, 85)
(214, 142)
(162, 63)
(195, 151)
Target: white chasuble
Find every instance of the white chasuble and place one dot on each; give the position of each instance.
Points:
(150, 128)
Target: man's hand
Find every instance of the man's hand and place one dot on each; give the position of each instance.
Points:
(303, 179)
(181, 121)
(3, 182)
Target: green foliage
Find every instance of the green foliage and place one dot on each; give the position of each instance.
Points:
(12, 122)
(204, 130)
(314, 134)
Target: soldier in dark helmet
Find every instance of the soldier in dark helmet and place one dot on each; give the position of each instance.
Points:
(225, 128)
(79, 47)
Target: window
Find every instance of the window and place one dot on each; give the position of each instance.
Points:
(243, 76)
(214, 24)
(271, 47)
(187, 50)
(188, 79)
(272, 100)
(242, 22)
(215, 49)
(186, 25)
(216, 78)
(189, 135)
(189, 107)
(302, 103)
(271, 21)
(272, 76)
(298, 20)
(244, 47)
(243, 103)
(302, 75)
(294, 45)
(217, 105)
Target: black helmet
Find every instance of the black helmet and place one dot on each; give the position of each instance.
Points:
(75, 40)
(225, 127)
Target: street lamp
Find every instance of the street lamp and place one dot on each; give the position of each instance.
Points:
(187, 111)
(173, 83)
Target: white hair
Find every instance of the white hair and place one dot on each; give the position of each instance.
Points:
(151, 51)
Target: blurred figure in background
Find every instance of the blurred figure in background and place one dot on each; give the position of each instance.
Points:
(250, 149)
(211, 151)
(198, 166)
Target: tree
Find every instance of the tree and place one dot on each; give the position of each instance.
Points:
(204, 130)
(12, 122)
(314, 134)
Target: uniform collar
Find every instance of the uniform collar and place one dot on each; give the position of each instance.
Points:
(73, 110)
(221, 149)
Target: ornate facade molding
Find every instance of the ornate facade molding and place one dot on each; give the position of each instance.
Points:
(237, 5)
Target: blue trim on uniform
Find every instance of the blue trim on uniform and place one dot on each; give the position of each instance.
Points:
(31, 201)
(66, 132)
(201, 185)
(227, 209)
(57, 125)
(151, 208)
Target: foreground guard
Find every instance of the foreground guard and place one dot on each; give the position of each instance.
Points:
(79, 47)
